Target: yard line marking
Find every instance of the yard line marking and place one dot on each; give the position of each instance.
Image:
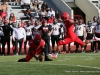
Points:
(69, 65)
(80, 56)
(59, 64)
(93, 54)
(61, 60)
(67, 58)
(89, 58)
(88, 67)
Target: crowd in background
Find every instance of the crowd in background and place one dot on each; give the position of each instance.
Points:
(48, 24)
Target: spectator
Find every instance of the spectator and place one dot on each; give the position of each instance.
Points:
(37, 25)
(5, 10)
(25, 4)
(12, 17)
(57, 15)
(32, 20)
(19, 35)
(4, 7)
(44, 6)
(28, 14)
(17, 0)
(23, 24)
(51, 12)
(35, 7)
(35, 2)
(51, 19)
(38, 11)
(42, 14)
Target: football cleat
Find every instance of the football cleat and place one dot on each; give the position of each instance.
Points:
(48, 59)
(22, 60)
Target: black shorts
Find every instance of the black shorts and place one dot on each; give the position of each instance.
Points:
(1, 37)
(97, 35)
(89, 36)
(81, 37)
(28, 38)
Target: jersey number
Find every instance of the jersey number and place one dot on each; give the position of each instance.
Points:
(55, 29)
(78, 28)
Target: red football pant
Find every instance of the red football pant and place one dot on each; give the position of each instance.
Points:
(29, 56)
(70, 40)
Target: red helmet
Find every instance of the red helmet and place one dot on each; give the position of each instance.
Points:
(64, 16)
(37, 39)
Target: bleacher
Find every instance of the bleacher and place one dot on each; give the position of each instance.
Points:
(14, 7)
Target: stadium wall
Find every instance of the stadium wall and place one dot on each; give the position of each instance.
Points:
(88, 8)
(63, 6)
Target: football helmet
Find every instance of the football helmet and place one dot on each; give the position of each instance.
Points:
(37, 39)
(64, 16)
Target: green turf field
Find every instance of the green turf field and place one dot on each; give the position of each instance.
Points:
(65, 64)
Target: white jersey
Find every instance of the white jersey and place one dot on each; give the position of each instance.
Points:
(79, 30)
(55, 29)
(94, 24)
(97, 28)
(62, 28)
(28, 30)
(37, 27)
(89, 29)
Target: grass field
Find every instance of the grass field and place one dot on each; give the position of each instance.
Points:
(65, 64)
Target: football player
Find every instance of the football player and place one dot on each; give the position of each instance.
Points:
(71, 36)
(36, 47)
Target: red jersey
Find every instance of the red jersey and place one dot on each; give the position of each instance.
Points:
(4, 14)
(35, 47)
(69, 28)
